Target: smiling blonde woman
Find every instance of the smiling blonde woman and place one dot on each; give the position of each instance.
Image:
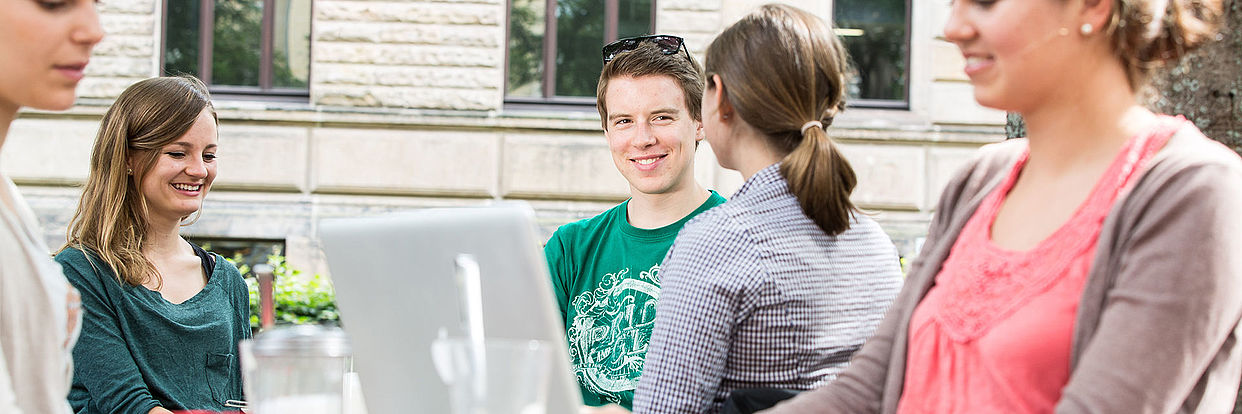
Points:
(162, 317)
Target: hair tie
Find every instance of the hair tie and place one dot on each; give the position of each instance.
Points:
(810, 124)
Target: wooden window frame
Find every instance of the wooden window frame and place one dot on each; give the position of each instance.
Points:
(891, 103)
(206, 29)
(549, 100)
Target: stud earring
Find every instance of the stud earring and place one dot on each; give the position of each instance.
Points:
(129, 171)
(1086, 29)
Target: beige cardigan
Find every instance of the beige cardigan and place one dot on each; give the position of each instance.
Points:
(1157, 327)
(35, 366)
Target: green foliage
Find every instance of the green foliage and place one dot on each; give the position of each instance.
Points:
(299, 300)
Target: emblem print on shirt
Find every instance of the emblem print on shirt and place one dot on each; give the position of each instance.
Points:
(609, 334)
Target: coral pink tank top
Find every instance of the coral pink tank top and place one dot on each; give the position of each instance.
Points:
(994, 333)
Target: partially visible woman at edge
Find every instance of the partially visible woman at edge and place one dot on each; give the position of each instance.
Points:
(161, 316)
(1094, 267)
(44, 49)
(779, 286)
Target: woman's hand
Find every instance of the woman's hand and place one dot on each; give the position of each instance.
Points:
(159, 410)
(73, 307)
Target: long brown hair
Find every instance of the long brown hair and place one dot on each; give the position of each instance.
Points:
(784, 67)
(111, 218)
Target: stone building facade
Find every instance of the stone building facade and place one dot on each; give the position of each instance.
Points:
(406, 110)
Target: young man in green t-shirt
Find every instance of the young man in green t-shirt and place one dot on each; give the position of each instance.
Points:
(606, 269)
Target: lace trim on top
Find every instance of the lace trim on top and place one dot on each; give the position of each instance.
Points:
(990, 282)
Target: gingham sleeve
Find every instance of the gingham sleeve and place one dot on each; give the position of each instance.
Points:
(707, 278)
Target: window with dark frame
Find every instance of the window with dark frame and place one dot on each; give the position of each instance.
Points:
(877, 35)
(554, 46)
(244, 48)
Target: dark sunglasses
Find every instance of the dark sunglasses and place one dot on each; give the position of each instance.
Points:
(668, 44)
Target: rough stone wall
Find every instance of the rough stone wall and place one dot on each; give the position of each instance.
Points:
(443, 54)
(697, 21)
(127, 53)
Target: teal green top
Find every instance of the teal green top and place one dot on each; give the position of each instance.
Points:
(138, 350)
(606, 278)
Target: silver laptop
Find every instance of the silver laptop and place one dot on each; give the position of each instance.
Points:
(396, 292)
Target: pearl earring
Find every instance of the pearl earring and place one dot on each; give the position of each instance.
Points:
(1086, 29)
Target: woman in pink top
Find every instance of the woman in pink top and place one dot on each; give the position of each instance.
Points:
(1095, 266)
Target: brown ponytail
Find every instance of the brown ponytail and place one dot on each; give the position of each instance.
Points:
(822, 180)
(785, 67)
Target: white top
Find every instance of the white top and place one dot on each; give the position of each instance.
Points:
(37, 367)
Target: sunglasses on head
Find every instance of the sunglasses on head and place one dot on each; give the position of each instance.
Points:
(666, 43)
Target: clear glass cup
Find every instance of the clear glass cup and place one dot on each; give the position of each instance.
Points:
(298, 369)
(509, 376)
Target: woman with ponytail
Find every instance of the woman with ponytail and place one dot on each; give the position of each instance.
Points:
(779, 286)
(162, 317)
(1094, 267)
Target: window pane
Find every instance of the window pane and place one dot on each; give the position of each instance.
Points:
(633, 18)
(579, 37)
(874, 32)
(181, 40)
(291, 44)
(236, 47)
(526, 23)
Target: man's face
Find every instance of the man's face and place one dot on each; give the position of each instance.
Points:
(651, 134)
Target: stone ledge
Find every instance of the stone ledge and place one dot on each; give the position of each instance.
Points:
(859, 125)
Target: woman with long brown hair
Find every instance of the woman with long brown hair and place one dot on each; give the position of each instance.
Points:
(44, 49)
(1093, 267)
(162, 317)
(781, 284)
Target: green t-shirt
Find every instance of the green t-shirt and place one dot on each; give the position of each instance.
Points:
(606, 277)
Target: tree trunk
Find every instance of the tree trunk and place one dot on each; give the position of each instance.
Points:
(1205, 86)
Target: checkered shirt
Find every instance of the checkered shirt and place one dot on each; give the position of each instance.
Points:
(754, 294)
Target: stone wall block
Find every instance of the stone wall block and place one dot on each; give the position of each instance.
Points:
(118, 66)
(410, 12)
(407, 97)
(405, 162)
(688, 21)
(125, 46)
(145, 7)
(560, 166)
(942, 164)
(262, 157)
(48, 150)
(889, 176)
(105, 87)
(954, 103)
(409, 33)
(127, 24)
(947, 62)
(385, 54)
(689, 5)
